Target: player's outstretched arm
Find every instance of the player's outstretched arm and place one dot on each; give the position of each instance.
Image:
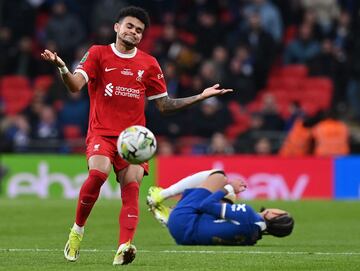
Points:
(168, 105)
(73, 82)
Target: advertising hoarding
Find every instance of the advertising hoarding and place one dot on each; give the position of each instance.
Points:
(267, 177)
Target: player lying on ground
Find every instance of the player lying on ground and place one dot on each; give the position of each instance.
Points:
(206, 214)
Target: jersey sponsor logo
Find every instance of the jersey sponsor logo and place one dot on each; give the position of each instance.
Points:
(129, 215)
(140, 75)
(84, 58)
(160, 75)
(109, 69)
(109, 90)
(127, 72)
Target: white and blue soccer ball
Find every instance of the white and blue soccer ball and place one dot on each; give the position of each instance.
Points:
(136, 144)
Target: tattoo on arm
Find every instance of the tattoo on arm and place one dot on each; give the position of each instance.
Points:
(168, 105)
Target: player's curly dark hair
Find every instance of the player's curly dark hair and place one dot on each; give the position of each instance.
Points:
(136, 12)
(279, 226)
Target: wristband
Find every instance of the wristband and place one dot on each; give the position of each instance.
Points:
(230, 189)
(63, 70)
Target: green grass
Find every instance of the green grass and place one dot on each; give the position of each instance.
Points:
(326, 237)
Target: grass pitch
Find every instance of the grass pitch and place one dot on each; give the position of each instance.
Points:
(33, 233)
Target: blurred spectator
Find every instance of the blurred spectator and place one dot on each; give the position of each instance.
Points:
(47, 127)
(208, 32)
(165, 148)
(172, 82)
(171, 126)
(104, 34)
(240, 78)
(333, 63)
(210, 117)
(168, 45)
(331, 136)
(105, 12)
(219, 144)
(303, 48)
(309, 18)
(21, 60)
(270, 114)
(260, 43)
(75, 105)
(5, 47)
(65, 30)
(341, 34)
(16, 130)
(245, 142)
(19, 16)
(326, 12)
(220, 58)
(298, 141)
(208, 73)
(263, 146)
(270, 17)
(353, 87)
(296, 112)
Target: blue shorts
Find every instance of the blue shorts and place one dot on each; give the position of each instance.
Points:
(189, 226)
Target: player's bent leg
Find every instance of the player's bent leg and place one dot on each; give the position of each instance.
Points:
(125, 254)
(214, 182)
(72, 247)
(161, 214)
(154, 197)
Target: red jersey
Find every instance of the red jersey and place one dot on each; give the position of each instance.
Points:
(118, 84)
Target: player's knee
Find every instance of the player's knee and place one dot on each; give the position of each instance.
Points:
(218, 177)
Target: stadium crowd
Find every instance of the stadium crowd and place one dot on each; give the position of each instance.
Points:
(294, 65)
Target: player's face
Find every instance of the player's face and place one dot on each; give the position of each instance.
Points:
(129, 31)
(271, 213)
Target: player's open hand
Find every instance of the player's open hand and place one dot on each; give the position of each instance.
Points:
(239, 185)
(214, 91)
(52, 58)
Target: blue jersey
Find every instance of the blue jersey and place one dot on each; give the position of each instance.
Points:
(200, 218)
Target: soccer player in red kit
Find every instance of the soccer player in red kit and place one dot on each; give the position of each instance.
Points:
(119, 78)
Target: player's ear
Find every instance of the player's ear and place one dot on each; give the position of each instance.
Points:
(116, 27)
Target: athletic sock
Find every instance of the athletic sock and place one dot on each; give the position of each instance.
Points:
(129, 213)
(185, 183)
(78, 229)
(88, 195)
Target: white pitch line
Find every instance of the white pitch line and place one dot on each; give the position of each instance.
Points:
(187, 251)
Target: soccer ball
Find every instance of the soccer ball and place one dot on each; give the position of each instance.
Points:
(136, 144)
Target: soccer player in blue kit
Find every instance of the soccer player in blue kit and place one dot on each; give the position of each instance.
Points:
(206, 214)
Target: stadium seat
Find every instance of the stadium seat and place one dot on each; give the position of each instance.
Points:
(294, 71)
(282, 82)
(16, 93)
(186, 144)
(43, 82)
(241, 121)
(72, 131)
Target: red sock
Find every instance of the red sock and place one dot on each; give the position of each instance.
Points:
(88, 195)
(128, 218)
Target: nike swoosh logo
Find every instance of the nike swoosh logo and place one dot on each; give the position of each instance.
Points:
(109, 69)
(85, 203)
(132, 215)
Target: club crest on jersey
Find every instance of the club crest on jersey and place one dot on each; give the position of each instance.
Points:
(96, 147)
(140, 74)
(84, 58)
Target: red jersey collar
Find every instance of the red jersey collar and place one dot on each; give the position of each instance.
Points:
(119, 54)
